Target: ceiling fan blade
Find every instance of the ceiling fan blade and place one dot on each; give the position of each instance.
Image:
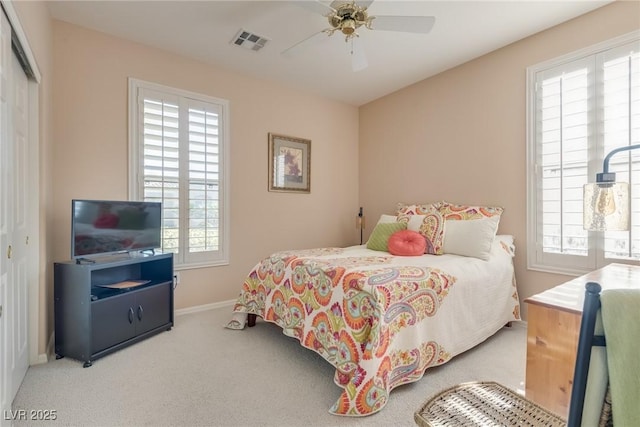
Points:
(358, 56)
(303, 44)
(316, 6)
(364, 3)
(409, 24)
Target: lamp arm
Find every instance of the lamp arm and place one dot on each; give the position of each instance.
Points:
(605, 165)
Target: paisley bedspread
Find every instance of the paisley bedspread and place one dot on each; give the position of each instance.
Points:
(381, 320)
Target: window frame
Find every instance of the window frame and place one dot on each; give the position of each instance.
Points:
(183, 260)
(537, 259)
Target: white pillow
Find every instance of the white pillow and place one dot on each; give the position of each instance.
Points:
(387, 218)
(415, 221)
(471, 237)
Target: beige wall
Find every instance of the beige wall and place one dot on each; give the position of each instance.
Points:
(461, 135)
(90, 158)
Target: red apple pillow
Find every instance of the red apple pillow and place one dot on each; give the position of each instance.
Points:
(407, 243)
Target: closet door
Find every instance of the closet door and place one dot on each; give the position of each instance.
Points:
(18, 290)
(6, 189)
(14, 348)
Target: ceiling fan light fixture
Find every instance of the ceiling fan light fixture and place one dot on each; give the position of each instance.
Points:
(348, 26)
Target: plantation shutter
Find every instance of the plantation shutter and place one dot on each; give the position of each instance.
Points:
(180, 166)
(583, 108)
(204, 177)
(564, 107)
(620, 70)
(160, 162)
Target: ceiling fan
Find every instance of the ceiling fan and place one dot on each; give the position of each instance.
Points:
(348, 16)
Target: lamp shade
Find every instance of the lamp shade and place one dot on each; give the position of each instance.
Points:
(606, 206)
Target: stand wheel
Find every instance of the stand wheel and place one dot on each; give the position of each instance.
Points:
(87, 364)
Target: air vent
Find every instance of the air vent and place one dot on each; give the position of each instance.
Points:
(248, 40)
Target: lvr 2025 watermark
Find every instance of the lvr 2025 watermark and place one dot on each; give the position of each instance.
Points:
(31, 414)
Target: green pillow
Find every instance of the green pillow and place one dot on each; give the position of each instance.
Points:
(380, 235)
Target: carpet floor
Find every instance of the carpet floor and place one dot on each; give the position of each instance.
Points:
(201, 374)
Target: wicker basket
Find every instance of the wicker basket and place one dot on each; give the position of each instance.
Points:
(483, 404)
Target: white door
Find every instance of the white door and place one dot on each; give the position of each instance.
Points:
(18, 290)
(6, 180)
(14, 353)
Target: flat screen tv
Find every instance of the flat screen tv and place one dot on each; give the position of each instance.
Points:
(101, 227)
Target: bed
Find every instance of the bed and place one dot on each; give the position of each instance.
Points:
(380, 319)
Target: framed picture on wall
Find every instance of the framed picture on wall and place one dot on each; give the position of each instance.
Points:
(289, 164)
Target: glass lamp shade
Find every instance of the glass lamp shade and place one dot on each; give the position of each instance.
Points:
(606, 206)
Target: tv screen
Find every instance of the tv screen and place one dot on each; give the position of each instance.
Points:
(103, 226)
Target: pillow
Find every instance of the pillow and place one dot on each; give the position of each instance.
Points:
(381, 233)
(413, 221)
(387, 219)
(432, 228)
(472, 238)
(430, 225)
(407, 243)
(416, 209)
(452, 211)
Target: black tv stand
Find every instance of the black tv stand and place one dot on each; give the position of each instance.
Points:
(110, 303)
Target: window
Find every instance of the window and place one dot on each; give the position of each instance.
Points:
(179, 156)
(580, 107)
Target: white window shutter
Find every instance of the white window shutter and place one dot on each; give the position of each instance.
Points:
(581, 107)
(179, 157)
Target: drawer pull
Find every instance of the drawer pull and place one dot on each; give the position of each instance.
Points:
(140, 311)
(130, 315)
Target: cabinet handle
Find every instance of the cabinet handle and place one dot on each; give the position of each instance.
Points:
(140, 311)
(130, 315)
(9, 252)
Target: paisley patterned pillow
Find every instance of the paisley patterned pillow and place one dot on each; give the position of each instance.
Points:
(430, 224)
(432, 229)
(452, 211)
(416, 209)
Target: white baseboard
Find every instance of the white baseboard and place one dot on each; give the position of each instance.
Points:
(204, 307)
(45, 357)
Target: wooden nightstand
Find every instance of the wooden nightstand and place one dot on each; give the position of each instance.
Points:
(552, 334)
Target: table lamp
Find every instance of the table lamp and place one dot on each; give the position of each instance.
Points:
(606, 202)
(360, 223)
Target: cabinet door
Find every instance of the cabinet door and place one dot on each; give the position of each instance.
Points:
(153, 307)
(112, 321)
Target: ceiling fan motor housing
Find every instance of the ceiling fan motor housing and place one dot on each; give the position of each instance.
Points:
(348, 18)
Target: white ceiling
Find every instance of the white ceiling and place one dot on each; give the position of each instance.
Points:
(204, 29)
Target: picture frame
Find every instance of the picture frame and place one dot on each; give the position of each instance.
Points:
(289, 164)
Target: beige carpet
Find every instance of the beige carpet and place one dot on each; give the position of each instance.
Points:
(201, 374)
